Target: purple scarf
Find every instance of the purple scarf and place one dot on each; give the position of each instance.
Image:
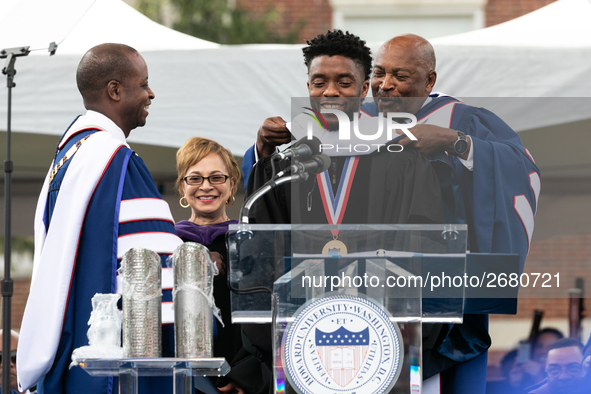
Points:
(203, 235)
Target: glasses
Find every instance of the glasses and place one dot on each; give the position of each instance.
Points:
(196, 180)
(572, 369)
(12, 356)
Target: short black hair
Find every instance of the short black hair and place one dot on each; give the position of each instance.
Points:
(550, 330)
(101, 64)
(566, 342)
(337, 42)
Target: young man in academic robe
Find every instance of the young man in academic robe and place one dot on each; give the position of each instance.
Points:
(385, 186)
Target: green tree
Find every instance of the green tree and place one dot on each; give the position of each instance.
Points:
(213, 20)
(153, 9)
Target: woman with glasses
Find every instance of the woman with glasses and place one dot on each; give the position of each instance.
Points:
(207, 180)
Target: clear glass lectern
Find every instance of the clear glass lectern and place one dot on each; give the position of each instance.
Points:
(347, 302)
(183, 371)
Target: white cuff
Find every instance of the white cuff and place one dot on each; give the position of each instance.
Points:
(256, 154)
(469, 162)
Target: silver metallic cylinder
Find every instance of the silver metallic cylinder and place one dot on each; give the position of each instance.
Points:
(193, 296)
(142, 299)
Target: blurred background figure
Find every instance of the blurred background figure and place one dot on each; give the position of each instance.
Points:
(12, 360)
(587, 361)
(545, 338)
(587, 358)
(587, 364)
(533, 367)
(524, 368)
(515, 380)
(564, 369)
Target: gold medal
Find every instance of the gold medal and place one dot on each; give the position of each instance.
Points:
(335, 205)
(334, 247)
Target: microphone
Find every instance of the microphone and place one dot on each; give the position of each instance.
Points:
(317, 164)
(299, 172)
(302, 148)
(272, 183)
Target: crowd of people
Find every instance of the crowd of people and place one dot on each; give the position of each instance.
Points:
(98, 200)
(549, 364)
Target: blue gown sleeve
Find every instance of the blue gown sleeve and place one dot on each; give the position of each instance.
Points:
(247, 162)
(501, 192)
(95, 272)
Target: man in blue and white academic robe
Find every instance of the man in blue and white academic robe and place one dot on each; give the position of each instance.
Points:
(97, 202)
(498, 180)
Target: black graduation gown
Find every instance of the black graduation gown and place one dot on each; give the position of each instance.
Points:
(388, 188)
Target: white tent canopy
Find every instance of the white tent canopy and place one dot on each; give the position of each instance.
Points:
(201, 88)
(541, 63)
(557, 25)
(84, 24)
(225, 92)
(546, 53)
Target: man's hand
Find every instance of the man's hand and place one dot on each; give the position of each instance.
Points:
(231, 388)
(218, 260)
(272, 133)
(432, 139)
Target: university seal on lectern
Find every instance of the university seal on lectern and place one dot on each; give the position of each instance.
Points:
(342, 344)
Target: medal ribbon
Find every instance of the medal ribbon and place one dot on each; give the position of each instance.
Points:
(334, 206)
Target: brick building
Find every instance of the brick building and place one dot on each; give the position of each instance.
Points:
(499, 11)
(374, 20)
(377, 20)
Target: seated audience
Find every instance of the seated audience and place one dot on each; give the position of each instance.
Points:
(534, 368)
(564, 369)
(515, 378)
(12, 359)
(545, 338)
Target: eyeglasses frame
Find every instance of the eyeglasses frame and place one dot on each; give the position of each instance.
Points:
(207, 177)
(563, 369)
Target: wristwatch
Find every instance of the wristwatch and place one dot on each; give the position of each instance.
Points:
(461, 145)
